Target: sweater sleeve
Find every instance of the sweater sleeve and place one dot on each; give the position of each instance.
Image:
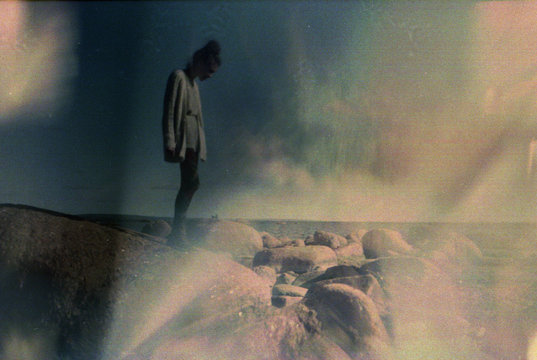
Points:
(173, 87)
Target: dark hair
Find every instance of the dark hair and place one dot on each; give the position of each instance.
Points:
(209, 54)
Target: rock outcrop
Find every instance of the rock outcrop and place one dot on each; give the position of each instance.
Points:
(112, 293)
(69, 267)
(88, 278)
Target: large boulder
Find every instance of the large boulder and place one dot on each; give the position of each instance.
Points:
(369, 285)
(515, 303)
(402, 269)
(384, 242)
(350, 318)
(405, 279)
(349, 275)
(297, 259)
(452, 251)
(198, 291)
(425, 303)
(288, 333)
(237, 239)
(62, 276)
(64, 269)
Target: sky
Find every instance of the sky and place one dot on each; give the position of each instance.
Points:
(321, 110)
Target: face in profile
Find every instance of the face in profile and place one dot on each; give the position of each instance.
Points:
(208, 70)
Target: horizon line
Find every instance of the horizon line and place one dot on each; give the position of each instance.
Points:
(150, 217)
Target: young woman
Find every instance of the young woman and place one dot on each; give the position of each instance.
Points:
(182, 125)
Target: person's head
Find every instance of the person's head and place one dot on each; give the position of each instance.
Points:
(206, 60)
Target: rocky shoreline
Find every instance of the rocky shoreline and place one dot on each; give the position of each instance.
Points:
(78, 289)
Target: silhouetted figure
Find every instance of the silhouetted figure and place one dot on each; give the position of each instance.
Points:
(182, 125)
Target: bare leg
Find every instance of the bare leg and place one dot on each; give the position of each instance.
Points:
(189, 185)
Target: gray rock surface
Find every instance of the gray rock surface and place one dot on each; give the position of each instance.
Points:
(67, 269)
(75, 269)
